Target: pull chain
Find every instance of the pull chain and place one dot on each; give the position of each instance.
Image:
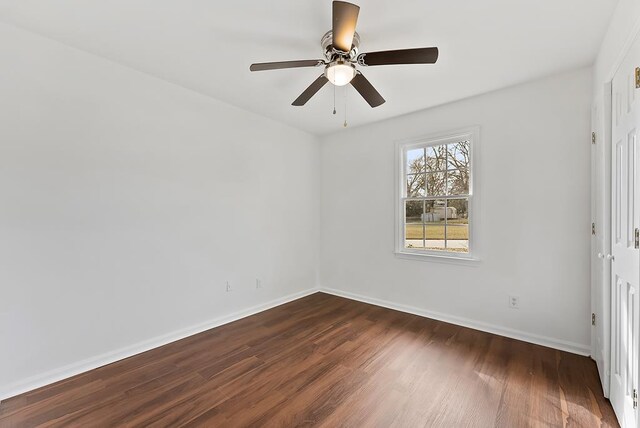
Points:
(345, 106)
(334, 99)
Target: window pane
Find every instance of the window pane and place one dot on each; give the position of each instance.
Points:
(458, 211)
(458, 182)
(437, 158)
(458, 155)
(414, 231)
(458, 238)
(436, 184)
(413, 211)
(458, 225)
(415, 161)
(434, 225)
(415, 185)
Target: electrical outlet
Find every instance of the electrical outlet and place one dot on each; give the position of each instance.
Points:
(258, 283)
(514, 302)
(228, 286)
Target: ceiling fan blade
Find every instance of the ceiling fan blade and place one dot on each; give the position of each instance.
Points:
(310, 91)
(367, 90)
(400, 56)
(262, 66)
(345, 18)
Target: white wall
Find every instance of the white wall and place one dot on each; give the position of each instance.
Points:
(127, 202)
(535, 226)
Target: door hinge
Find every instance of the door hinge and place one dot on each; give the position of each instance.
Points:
(635, 398)
(593, 318)
(593, 229)
(637, 239)
(637, 77)
(593, 138)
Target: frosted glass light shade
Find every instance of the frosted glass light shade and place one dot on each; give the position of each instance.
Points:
(340, 74)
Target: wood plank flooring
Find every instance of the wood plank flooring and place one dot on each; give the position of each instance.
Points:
(327, 361)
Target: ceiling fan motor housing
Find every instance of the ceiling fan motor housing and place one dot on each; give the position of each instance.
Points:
(331, 53)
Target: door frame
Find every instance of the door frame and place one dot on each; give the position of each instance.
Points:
(601, 241)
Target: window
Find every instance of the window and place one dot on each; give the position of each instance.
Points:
(436, 204)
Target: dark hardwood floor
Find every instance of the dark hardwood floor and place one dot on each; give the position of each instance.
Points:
(327, 361)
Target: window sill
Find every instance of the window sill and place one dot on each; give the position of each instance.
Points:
(442, 258)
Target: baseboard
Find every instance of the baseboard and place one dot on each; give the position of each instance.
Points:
(73, 369)
(575, 348)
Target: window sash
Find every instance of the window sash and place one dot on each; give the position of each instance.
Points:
(446, 225)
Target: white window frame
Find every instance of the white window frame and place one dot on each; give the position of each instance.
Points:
(472, 134)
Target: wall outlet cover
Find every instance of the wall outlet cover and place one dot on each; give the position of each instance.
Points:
(514, 302)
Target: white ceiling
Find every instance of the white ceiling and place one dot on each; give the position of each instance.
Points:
(207, 46)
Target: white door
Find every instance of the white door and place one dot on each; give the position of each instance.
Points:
(624, 257)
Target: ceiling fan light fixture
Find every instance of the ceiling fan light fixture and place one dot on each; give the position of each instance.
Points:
(340, 73)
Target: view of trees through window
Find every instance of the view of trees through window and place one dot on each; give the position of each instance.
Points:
(437, 197)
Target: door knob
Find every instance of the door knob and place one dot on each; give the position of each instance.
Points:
(600, 256)
(611, 257)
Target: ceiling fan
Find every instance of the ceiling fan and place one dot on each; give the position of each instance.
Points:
(341, 55)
